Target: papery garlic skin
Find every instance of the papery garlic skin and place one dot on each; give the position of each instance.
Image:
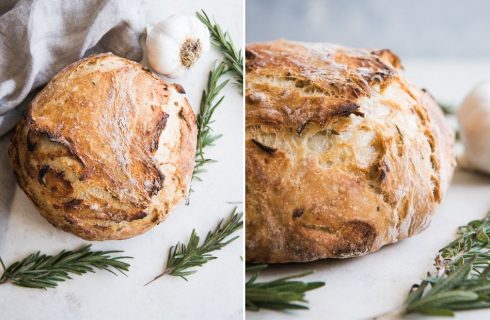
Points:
(474, 122)
(176, 44)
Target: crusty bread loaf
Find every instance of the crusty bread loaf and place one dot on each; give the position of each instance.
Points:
(106, 148)
(343, 155)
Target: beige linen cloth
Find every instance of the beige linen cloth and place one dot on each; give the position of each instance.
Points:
(38, 38)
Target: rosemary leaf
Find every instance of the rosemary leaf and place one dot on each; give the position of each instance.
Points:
(279, 294)
(223, 42)
(42, 271)
(446, 109)
(209, 103)
(462, 277)
(184, 258)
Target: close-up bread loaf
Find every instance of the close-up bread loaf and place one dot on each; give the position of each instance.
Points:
(106, 149)
(343, 154)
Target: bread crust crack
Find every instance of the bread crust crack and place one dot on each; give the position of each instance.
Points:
(343, 155)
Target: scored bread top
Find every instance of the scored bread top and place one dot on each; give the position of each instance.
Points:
(106, 149)
(333, 78)
(343, 154)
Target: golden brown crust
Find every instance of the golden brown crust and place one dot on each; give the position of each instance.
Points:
(343, 156)
(106, 149)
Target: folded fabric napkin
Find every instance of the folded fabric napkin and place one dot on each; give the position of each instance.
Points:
(38, 38)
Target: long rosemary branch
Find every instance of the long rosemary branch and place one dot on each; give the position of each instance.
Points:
(279, 294)
(462, 277)
(209, 103)
(222, 41)
(43, 271)
(184, 258)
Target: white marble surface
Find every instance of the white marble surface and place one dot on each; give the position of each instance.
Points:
(215, 292)
(364, 287)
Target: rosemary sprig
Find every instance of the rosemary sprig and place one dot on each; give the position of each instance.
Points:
(42, 271)
(205, 136)
(184, 258)
(472, 244)
(279, 294)
(223, 42)
(462, 280)
(446, 108)
(232, 63)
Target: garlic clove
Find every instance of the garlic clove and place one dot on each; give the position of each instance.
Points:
(163, 53)
(176, 44)
(178, 71)
(148, 29)
(176, 26)
(474, 122)
(202, 32)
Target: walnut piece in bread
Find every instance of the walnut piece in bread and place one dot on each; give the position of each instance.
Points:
(106, 149)
(343, 154)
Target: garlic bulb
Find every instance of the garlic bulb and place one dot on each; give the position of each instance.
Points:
(474, 121)
(176, 44)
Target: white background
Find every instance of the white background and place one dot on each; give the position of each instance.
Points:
(361, 288)
(215, 292)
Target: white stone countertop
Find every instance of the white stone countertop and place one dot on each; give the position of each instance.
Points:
(361, 288)
(214, 292)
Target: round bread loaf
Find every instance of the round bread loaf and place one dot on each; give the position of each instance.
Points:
(106, 148)
(343, 154)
